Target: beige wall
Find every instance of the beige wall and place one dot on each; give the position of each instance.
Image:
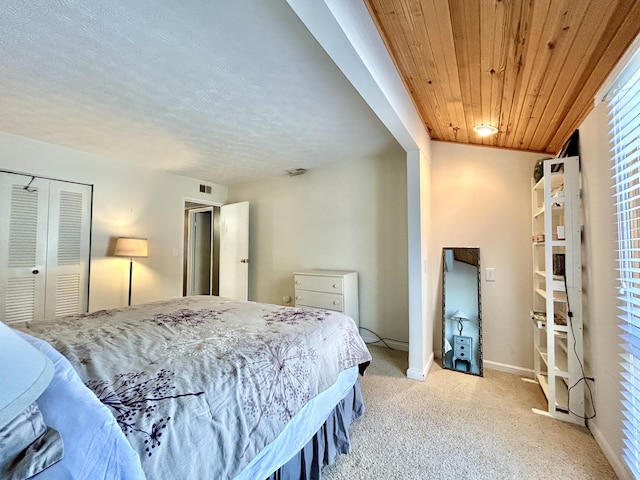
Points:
(348, 215)
(419, 237)
(601, 332)
(481, 198)
(127, 201)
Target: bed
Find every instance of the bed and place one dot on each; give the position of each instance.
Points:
(200, 387)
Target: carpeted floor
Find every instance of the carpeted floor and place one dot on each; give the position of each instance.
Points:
(460, 426)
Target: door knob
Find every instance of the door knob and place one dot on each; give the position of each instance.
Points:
(244, 260)
(35, 271)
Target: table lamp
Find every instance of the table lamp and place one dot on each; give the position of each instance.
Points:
(460, 316)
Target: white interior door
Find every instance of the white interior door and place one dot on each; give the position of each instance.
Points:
(234, 251)
(44, 247)
(200, 254)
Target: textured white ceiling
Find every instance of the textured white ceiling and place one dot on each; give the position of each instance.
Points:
(221, 90)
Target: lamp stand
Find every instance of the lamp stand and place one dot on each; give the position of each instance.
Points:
(130, 277)
(459, 322)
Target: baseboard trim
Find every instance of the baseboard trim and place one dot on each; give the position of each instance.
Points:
(617, 463)
(415, 374)
(393, 344)
(503, 367)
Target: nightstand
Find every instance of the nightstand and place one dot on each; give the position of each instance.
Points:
(462, 351)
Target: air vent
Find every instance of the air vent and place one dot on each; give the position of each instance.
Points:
(294, 172)
(205, 189)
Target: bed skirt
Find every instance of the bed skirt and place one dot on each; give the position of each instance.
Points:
(331, 440)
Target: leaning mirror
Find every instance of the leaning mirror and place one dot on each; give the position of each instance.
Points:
(461, 310)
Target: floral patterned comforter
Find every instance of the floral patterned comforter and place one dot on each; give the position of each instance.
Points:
(200, 384)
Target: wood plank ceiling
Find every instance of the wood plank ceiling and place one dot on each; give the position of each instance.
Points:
(528, 67)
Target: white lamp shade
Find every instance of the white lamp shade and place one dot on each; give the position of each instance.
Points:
(131, 247)
(460, 315)
(24, 374)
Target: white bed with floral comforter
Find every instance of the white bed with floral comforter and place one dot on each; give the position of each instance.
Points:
(200, 385)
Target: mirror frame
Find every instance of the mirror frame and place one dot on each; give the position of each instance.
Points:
(479, 355)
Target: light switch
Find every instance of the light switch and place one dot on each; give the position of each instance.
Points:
(490, 274)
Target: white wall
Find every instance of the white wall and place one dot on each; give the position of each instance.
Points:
(481, 198)
(127, 201)
(348, 215)
(602, 351)
(419, 237)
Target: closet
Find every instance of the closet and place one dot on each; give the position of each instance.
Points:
(45, 230)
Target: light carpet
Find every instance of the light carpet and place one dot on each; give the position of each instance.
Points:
(460, 426)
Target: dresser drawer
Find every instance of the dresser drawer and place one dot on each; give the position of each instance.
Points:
(461, 354)
(462, 348)
(319, 283)
(462, 340)
(327, 301)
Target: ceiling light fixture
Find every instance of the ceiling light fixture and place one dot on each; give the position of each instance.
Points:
(485, 130)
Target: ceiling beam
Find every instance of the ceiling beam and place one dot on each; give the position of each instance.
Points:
(347, 33)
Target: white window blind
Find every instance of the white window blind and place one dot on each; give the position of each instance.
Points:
(625, 132)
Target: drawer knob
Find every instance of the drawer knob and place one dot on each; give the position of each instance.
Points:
(298, 282)
(335, 285)
(336, 302)
(298, 297)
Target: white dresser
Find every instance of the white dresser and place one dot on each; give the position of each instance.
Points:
(328, 289)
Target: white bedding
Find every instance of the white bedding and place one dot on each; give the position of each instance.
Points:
(300, 429)
(97, 448)
(94, 445)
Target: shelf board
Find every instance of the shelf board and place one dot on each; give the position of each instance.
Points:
(560, 369)
(562, 342)
(560, 330)
(558, 243)
(562, 396)
(556, 207)
(553, 243)
(557, 285)
(556, 278)
(562, 298)
(557, 179)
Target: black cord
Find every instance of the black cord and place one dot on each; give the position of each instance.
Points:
(584, 378)
(382, 339)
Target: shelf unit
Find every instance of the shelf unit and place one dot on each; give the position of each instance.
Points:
(557, 296)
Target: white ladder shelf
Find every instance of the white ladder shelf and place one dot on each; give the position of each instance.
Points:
(557, 289)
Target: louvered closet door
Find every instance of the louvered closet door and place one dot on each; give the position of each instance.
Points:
(44, 247)
(23, 247)
(67, 249)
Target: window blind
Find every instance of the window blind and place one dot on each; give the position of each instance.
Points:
(624, 110)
